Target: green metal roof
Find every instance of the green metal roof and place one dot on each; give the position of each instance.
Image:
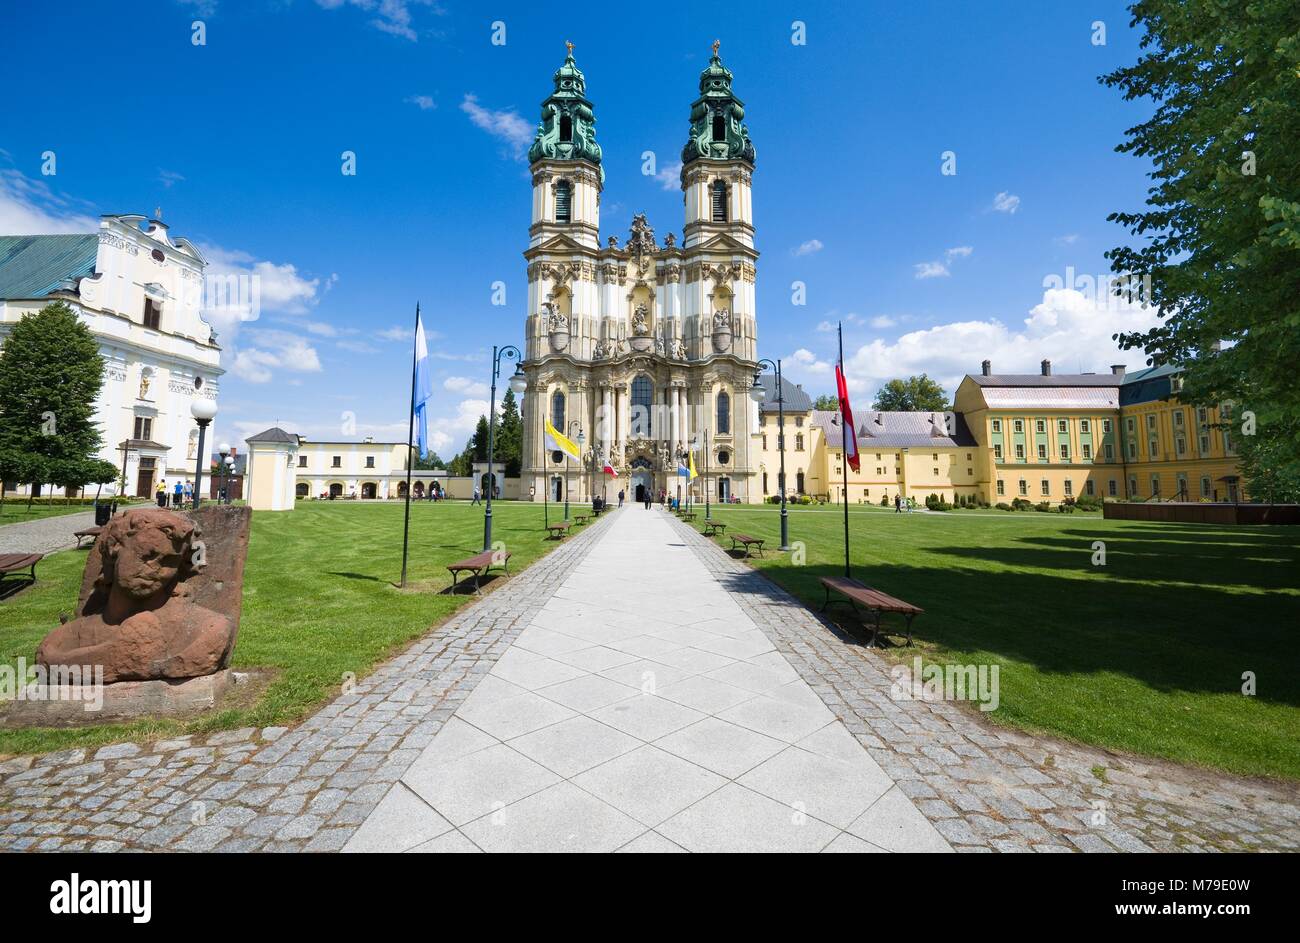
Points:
(35, 266)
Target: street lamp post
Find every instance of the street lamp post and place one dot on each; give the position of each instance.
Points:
(223, 450)
(518, 383)
(203, 411)
(756, 393)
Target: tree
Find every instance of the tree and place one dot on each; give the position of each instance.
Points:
(50, 375)
(1220, 235)
(915, 394)
(429, 462)
(826, 402)
(510, 436)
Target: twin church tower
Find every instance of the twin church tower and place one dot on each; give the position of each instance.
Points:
(648, 348)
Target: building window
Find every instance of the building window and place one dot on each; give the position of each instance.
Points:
(1065, 452)
(1089, 488)
(1040, 426)
(1204, 442)
(1132, 451)
(1085, 425)
(1020, 452)
(563, 201)
(302, 461)
(370, 461)
(1105, 425)
(1180, 446)
(724, 415)
(1153, 447)
(936, 473)
(719, 126)
(1151, 421)
(566, 130)
(1069, 487)
(643, 392)
(1062, 426)
(723, 457)
(1087, 451)
(764, 441)
(1110, 452)
(1205, 486)
(1178, 418)
(1046, 487)
(1018, 425)
(143, 427)
(152, 314)
(338, 461)
(798, 482)
(1002, 488)
(798, 421)
(1132, 486)
(997, 425)
(1227, 444)
(798, 442)
(1042, 451)
(719, 197)
(1182, 493)
(764, 482)
(1128, 424)
(557, 410)
(1155, 486)
(1024, 487)
(1113, 488)
(997, 452)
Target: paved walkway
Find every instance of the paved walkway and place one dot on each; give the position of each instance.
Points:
(643, 710)
(45, 535)
(635, 689)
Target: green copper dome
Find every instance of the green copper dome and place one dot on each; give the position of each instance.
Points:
(718, 131)
(567, 130)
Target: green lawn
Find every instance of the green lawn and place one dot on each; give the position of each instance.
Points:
(1144, 654)
(319, 601)
(16, 510)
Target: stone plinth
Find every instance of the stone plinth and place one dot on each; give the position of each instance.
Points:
(61, 705)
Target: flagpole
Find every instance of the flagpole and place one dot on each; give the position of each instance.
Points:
(410, 434)
(844, 455)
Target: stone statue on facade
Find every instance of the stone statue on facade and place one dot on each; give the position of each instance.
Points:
(722, 320)
(679, 349)
(640, 324)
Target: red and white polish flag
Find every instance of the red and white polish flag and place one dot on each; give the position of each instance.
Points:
(846, 417)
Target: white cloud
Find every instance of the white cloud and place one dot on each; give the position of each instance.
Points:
(270, 349)
(169, 177)
(958, 252)
(357, 347)
(423, 102)
(396, 333)
(506, 126)
(1066, 327)
(805, 361)
(465, 385)
(931, 270)
(391, 16)
(1006, 202)
(1067, 240)
(670, 176)
(809, 247)
(882, 321)
(28, 207)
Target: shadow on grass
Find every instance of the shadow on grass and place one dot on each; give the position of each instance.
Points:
(14, 586)
(1171, 638)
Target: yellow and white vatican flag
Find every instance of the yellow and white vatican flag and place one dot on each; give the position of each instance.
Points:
(557, 441)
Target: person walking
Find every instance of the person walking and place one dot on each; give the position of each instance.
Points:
(478, 497)
(620, 497)
(160, 493)
(189, 493)
(898, 504)
(178, 492)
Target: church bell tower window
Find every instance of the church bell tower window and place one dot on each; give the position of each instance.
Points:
(563, 201)
(557, 411)
(566, 130)
(719, 128)
(719, 193)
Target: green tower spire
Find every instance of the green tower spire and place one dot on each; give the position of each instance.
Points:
(567, 130)
(718, 131)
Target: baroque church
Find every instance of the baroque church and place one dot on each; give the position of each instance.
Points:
(645, 351)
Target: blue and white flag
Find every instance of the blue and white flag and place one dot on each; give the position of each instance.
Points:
(423, 389)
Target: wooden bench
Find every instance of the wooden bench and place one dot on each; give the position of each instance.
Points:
(559, 530)
(479, 564)
(688, 516)
(714, 528)
(91, 532)
(582, 518)
(747, 542)
(13, 562)
(873, 600)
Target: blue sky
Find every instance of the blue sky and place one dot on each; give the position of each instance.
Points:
(239, 140)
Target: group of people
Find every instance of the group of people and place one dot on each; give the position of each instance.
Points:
(180, 495)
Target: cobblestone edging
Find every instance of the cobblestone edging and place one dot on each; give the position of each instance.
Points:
(305, 788)
(44, 535)
(990, 789)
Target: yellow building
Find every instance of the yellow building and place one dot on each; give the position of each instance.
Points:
(1043, 437)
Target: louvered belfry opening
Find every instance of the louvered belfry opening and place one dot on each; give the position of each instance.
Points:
(719, 201)
(563, 201)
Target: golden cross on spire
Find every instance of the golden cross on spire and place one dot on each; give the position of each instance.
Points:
(716, 44)
(569, 46)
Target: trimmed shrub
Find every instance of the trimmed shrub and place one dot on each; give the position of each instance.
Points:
(1003, 506)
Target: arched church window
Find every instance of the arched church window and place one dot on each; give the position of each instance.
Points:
(724, 414)
(557, 410)
(642, 399)
(719, 128)
(719, 194)
(563, 201)
(566, 130)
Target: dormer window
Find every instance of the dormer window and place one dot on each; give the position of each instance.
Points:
(719, 200)
(563, 201)
(566, 129)
(719, 128)
(152, 314)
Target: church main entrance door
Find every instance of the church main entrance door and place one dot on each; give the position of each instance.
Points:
(641, 482)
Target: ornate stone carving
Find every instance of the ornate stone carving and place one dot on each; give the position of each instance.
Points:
(679, 349)
(641, 340)
(642, 242)
(673, 272)
(722, 330)
(156, 603)
(557, 326)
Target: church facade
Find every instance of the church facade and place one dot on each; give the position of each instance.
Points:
(645, 351)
